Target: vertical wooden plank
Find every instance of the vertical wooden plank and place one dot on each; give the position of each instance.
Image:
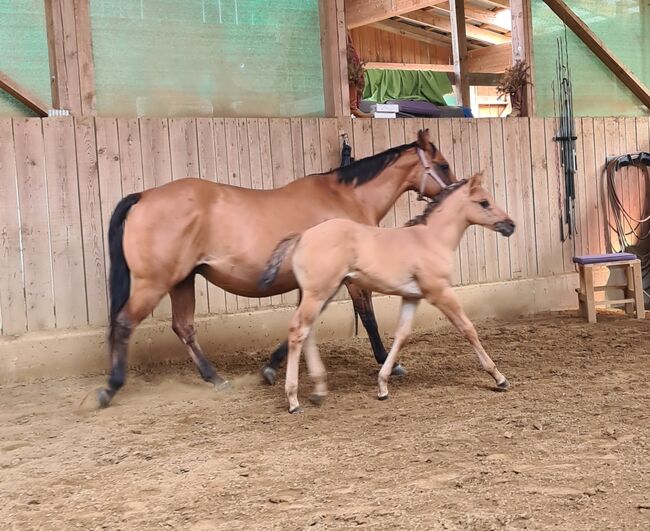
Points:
(515, 190)
(32, 192)
(528, 197)
(500, 193)
(233, 302)
(590, 174)
(333, 47)
(643, 144)
(459, 50)
(208, 171)
(362, 136)
(128, 131)
(397, 138)
(110, 180)
(581, 212)
(85, 57)
(600, 154)
(65, 222)
(632, 175)
(381, 142)
(411, 128)
(155, 154)
(555, 180)
(71, 54)
(91, 221)
(243, 155)
(540, 192)
(12, 289)
(311, 146)
(612, 148)
(490, 270)
(330, 147)
(470, 237)
(56, 55)
(282, 160)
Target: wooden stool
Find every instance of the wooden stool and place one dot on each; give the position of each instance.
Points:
(633, 288)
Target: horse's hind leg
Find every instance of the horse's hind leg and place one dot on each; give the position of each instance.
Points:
(316, 369)
(448, 304)
(143, 299)
(183, 304)
(362, 301)
(401, 335)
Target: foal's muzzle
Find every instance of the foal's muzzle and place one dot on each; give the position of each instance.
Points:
(506, 228)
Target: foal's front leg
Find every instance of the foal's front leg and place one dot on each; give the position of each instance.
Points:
(407, 312)
(362, 302)
(448, 304)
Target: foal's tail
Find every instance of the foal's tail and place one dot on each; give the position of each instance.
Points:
(272, 268)
(119, 283)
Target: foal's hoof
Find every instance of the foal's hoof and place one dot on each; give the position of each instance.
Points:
(398, 370)
(297, 409)
(383, 397)
(103, 397)
(317, 400)
(503, 385)
(269, 374)
(222, 386)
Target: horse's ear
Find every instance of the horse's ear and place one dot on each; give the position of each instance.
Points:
(424, 139)
(476, 181)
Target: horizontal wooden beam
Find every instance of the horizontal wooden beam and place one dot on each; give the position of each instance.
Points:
(490, 59)
(599, 49)
(499, 19)
(481, 79)
(363, 12)
(442, 23)
(23, 95)
(411, 32)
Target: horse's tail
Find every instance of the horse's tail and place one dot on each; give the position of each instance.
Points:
(274, 263)
(119, 283)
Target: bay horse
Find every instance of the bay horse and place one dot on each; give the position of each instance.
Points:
(225, 233)
(414, 262)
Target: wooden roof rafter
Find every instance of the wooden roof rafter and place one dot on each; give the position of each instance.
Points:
(417, 33)
(364, 12)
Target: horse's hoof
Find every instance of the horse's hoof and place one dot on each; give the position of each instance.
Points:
(269, 374)
(223, 386)
(382, 398)
(297, 409)
(103, 397)
(317, 400)
(398, 370)
(503, 385)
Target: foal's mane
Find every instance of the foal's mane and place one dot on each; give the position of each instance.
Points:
(364, 170)
(433, 204)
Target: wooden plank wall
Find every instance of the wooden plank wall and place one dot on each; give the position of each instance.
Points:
(375, 45)
(60, 179)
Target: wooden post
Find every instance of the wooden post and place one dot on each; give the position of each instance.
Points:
(459, 49)
(335, 62)
(522, 48)
(70, 54)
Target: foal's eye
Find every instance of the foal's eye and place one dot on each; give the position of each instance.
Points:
(485, 203)
(444, 167)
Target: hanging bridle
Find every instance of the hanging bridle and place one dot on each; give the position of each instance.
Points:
(428, 172)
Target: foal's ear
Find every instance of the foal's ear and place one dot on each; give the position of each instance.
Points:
(476, 181)
(424, 140)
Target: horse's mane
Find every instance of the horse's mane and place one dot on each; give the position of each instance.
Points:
(364, 170)
(434, 203)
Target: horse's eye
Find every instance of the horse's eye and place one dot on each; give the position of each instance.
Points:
(485, 203)
(444, 167)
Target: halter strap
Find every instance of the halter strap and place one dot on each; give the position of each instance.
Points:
(430, 173)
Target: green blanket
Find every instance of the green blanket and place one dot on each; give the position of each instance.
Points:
(382, 85)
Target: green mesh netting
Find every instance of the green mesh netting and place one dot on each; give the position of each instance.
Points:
(207, 57)
(23, 52)
(624, 27)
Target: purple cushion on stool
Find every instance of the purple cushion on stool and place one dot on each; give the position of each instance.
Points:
(600, 258)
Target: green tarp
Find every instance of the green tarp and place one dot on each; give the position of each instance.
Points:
(382, 85)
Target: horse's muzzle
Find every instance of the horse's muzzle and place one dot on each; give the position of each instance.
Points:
(506, 228)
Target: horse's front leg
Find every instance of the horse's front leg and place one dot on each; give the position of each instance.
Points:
(362, 301)
(448, 304)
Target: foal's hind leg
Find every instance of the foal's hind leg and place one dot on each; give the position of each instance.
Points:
(448, 304)
(183, 303)
(143, 299)
(316, 369)
(362, 302)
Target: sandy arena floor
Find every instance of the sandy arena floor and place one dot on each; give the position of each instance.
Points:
(568, 447)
